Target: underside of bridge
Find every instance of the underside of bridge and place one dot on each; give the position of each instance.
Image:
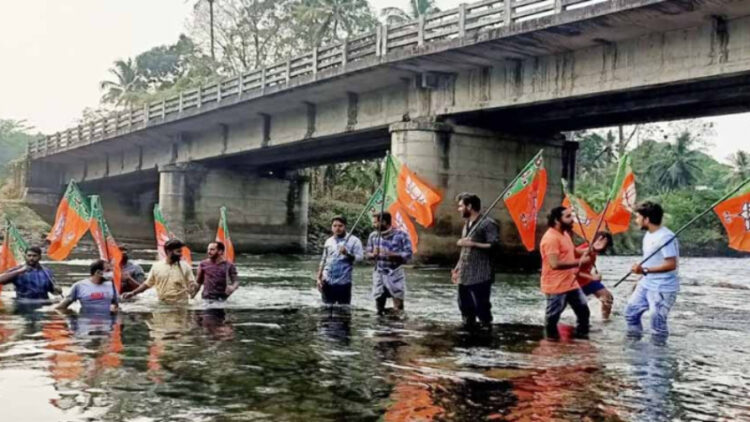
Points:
(466, 114)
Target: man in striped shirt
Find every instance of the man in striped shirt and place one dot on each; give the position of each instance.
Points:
(390, 248)
(474, 273)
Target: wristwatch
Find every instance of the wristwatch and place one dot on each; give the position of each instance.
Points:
(645, 271)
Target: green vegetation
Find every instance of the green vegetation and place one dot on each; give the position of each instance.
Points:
(670, 168)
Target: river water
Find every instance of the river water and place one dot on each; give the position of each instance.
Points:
(272, 352)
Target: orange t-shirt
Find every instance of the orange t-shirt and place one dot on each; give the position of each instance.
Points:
(557, 281)
(586, 268)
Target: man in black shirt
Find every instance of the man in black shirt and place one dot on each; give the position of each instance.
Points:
(474, 273)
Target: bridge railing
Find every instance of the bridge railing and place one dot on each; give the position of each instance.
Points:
(467, 20)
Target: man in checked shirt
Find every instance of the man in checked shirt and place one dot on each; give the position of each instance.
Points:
(474, 273)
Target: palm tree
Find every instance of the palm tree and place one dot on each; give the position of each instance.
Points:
(332, 20)
(417, 8)
(740, 162)
(680, 164)
(127, 86)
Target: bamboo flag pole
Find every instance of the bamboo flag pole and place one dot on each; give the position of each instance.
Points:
(685, 226)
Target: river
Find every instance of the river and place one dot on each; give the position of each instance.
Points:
(273, 353)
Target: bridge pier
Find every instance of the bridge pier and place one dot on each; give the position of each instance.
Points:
(266, 213)
(467, 159)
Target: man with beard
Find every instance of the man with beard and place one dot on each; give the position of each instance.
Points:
(340, 252)
(32, 281)
(658, 288)
(132, 273)
(217, 275)
(172, 278)
(560, 263)
(474, 272)
(390, 248)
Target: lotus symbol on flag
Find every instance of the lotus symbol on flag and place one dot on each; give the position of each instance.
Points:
(57, 234)
(69, 237)
(628, 198)
(414, 192)
(745, 214)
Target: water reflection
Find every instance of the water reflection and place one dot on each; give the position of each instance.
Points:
(273, 353)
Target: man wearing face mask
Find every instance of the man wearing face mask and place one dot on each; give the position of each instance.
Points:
(32, 281)
(132, 273)
(172, 278)
(97, 293)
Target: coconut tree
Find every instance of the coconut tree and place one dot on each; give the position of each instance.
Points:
(679, 165)
(125, 88)
(330, 20)
(740, 162)
(396, 15)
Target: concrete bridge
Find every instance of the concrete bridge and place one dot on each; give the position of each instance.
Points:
(465, 97)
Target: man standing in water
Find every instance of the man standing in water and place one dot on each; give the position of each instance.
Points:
(32, 281)
(474, 272)
(215, 273)
(658, 288)
(172, 278)
(390, 248)
(132, 273)
(590, 280)
(340, 252)
(95, 294)
(560, 263)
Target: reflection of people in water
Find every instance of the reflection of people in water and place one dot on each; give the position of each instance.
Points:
(335, 324)
(164, 328)
(213, 321)
(66, 363)
(557, 390)
(653, 370)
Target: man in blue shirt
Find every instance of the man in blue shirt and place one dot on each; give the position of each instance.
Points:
(32, 281)
(97, 295)
(657, 290)
(340, 252)
(390, 248)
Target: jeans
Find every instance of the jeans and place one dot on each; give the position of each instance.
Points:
(474, 301)
(644, 299)
(556, 305)
(337, 293)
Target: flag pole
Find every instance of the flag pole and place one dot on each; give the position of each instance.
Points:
(362, 214)
(499, 197)
(688, 224)
(382, 202)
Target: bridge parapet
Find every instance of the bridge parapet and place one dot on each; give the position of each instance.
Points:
(422, 35)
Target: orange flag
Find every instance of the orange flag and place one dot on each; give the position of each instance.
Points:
(402, 222)
(623, 198)
(734, 214)
(222, 235)
(525, 197)
(12, 249)
(105, 241)
(419, 198)
(163, 234)
(71, 223)
(584, 216)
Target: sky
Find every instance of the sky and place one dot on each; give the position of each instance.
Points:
(55, 52)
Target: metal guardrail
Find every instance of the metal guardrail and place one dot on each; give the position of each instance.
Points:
(464, 21)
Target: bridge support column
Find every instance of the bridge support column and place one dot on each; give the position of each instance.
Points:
(265, 214)
(465, 159)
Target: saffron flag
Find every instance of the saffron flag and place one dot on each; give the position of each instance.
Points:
(585, 219)
(13, 248)
(71, 223)
(400, 220)
(222, 235)
(734, 214)
(105, 241)
(163, 234)
(525, 197)
(623, 197)
(418, 198)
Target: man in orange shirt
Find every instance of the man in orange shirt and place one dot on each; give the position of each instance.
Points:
(560, 264)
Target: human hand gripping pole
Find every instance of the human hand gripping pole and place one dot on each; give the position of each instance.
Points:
(685, 226)
(487, 213)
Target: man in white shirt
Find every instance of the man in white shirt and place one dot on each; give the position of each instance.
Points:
(340, 252)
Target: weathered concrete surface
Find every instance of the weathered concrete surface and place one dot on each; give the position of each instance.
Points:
(459, 159)
(266, 214)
